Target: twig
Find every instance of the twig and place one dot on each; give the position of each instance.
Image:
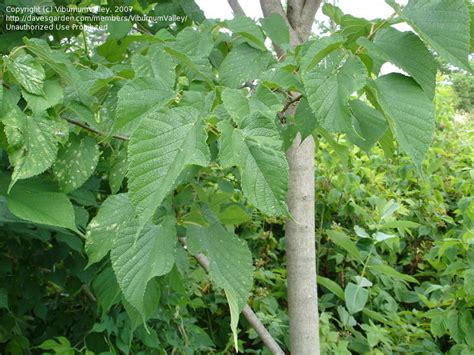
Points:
(86, 47)
(374, 29)
(264, 334)
(93, 130)
(87, 291)
(248, 313)
(126, 138)
(289, 103)
(236, 8)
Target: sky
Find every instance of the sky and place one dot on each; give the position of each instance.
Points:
(369, 9)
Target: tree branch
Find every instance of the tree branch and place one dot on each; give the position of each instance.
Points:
(269, 6)
(248, 313)
(289, 103)
(274, 6)
(263, 333)
(294, 9)
(293, 13)
(87, 291)
(301, 14)
(236, 8)
(93, 130)
(308, 14)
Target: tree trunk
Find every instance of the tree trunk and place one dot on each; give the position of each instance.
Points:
(300, 226)
(301, 251)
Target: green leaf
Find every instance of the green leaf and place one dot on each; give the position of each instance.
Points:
(195, 44)
(32, 144)
(469, 282)
(387, 144)
(101, 231)
(117, 28)
(380, 236)
(248, 29)
(408, 52)
(76, 162)
(399, 224)
(77, 111)
(369, 124)
(2, 102)
(230, 265)
(236, 104)
(151, 301)
(414, 121)
(389, 271)
(106, 289)
(276, 28)
(3, 298)
(363, 281)
(224, 209)
(266, 101)
(28, 72)
(192, 10)
(438, 325)
(162, 146)
(117, 169)
(471, 12)
(443, 24)
(356, 297)
(53, 95)
(281, 78)
(388, 209)
(375, 315)
(351, 27)
(361, 232)
(232, 214)
(155, 64)
(466, 324)
(452, 322)
(318, 49)
(58, 61)
(243, 63)
(73, 241)
(200, 67)
(256, 149)
(329, 88)
(342, 240)
(331, 286)
(9, 40)
(50, 208)
(137, 260)
(60, 345)
(304, 118)
(203, 101)
(137, 99)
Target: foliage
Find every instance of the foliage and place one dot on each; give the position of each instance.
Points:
(415, 240)
(127, 148)
(464, 87)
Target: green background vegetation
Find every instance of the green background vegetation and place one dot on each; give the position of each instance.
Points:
(423, 303)
(395, 249)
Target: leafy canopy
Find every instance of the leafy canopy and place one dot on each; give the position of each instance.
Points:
(156, 110)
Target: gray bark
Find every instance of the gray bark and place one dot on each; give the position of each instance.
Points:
(307, 17)
(248, 313)
(300, 227)
(301, 16)
(236, 8)
(274, 6)
(301, 250)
